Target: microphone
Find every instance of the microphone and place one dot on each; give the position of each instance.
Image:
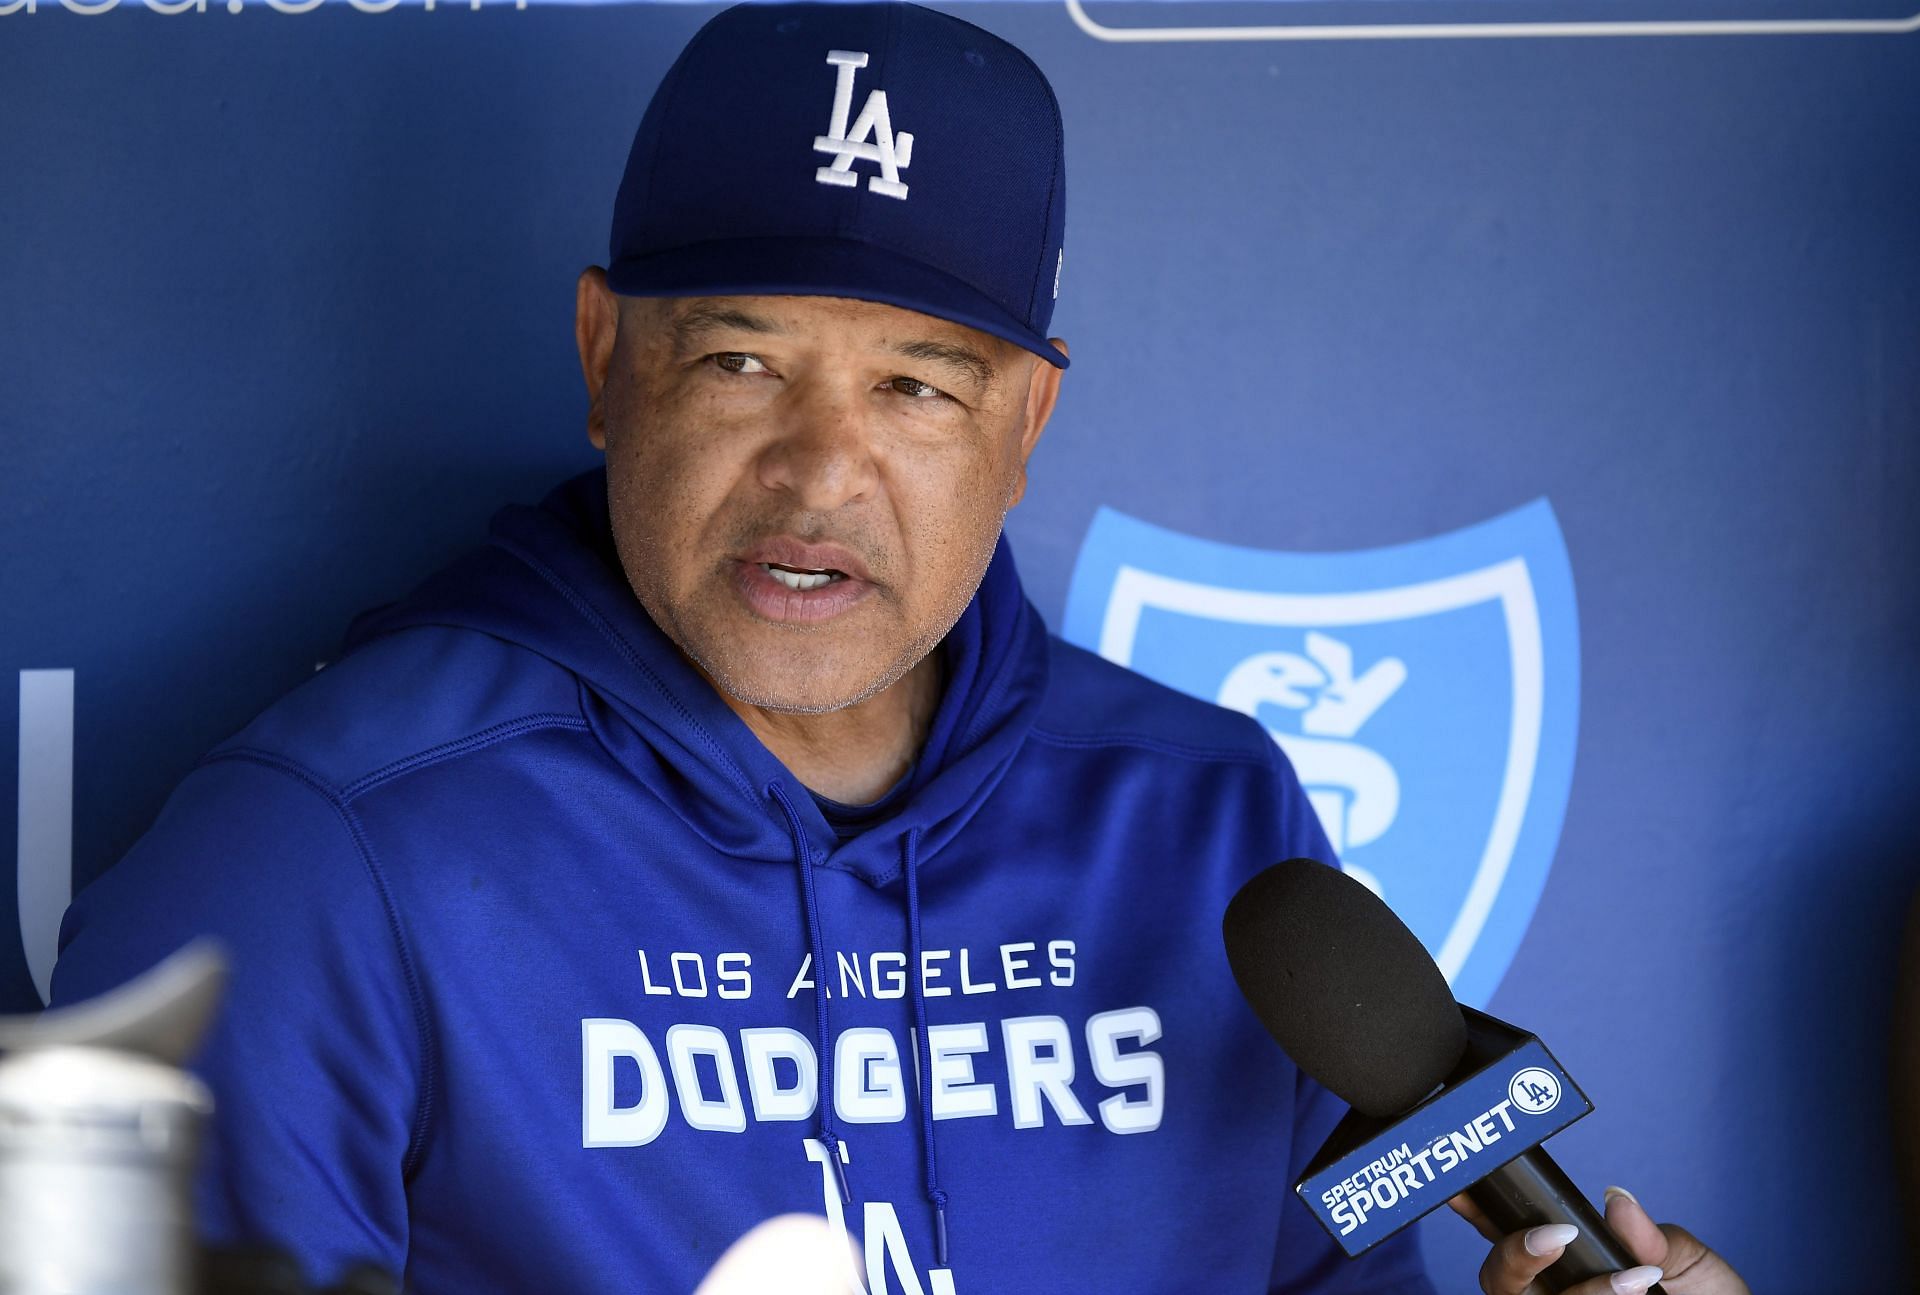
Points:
(1444, 1098)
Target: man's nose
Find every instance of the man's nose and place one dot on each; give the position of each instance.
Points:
(822, 454)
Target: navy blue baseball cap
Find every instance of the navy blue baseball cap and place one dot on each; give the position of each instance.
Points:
(878, 151)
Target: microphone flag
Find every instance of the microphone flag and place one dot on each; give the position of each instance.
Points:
(1374, 1177)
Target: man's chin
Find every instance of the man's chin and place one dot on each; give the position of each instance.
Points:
(798, 689)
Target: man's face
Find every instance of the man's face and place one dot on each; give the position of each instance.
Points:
(805, 491)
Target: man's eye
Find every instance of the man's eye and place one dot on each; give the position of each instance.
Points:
(737, 362)
(916, 388)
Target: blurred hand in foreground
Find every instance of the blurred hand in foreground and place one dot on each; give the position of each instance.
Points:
(794, 1254)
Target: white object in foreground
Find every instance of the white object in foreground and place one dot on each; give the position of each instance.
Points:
(794, 1254)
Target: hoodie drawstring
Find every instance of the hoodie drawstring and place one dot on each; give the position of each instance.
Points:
(923, 1053)
(937, 1198)
(803, 857)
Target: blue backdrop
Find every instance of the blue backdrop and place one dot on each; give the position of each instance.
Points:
(285, 307)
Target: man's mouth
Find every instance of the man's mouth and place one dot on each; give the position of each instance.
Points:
(787, 580)
(801, 579)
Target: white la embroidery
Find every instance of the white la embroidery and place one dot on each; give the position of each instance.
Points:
(892, 152)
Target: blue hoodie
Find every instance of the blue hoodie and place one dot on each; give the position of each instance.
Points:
(541, 959)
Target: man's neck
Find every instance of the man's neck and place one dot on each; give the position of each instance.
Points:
(855, 754)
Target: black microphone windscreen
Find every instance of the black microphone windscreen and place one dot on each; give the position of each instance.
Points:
(1344, 986)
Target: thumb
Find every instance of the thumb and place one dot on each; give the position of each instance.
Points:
(1690, 1266)
(1635, 1227)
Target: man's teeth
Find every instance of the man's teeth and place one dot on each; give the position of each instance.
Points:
(799, 580)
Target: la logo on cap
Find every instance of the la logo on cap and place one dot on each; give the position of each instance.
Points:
(871, 138)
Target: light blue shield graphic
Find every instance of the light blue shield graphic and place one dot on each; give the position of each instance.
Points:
(1427, 694)
(43, 858)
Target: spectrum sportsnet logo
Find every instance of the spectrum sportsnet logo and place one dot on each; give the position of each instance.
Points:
(1403, 1175)
(93, 7)
(1387, 1174)
(1426, 695)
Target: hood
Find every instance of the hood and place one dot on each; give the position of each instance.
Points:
(549, 580)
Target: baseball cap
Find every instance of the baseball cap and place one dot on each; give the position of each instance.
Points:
(879, 151)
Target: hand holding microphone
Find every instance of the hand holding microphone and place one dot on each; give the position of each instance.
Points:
(1445, 1100)
(1688, 1267)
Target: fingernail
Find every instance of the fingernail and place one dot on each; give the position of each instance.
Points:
(1607, 1196)
(1635, 1280)
(1548, 1238)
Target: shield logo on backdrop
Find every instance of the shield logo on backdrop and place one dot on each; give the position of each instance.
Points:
(1427, 695)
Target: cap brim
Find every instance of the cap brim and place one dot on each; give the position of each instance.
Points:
(821, 267)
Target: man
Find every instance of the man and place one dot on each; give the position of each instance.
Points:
(727, 838)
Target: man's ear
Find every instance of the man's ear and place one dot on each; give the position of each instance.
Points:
(1043, 391)
(596, 321)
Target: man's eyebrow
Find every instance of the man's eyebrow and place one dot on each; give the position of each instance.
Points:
(952, 355)
(702, 319)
